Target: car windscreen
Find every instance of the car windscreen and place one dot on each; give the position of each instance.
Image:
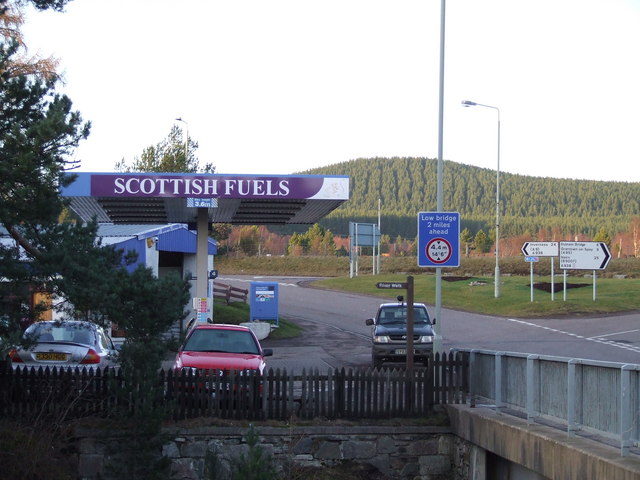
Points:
(61, 332)
(219, 340)
(398, 314)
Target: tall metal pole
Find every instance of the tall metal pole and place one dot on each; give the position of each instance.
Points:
(437, 341)
(497, 273)
(469, 103)
(379, 260)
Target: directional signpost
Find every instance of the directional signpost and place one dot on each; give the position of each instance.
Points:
(533, 250)
(540, 249)
(391, 285)
(583, 256)
(362, 235)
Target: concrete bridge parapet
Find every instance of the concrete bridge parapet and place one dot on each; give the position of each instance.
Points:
(544, 452)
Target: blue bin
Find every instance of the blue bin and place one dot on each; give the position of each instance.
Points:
(263, 305)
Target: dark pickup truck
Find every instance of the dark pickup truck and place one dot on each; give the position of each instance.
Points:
(389, 333)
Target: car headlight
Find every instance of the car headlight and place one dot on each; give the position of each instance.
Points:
(381, 339)
(425, 339)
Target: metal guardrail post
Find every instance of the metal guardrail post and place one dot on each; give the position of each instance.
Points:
(571, 397)
(626, 413)
(472, 389)
(531, 387)
(498, 381)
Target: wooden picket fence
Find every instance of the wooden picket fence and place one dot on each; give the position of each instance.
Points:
(279, 395)
(228, 293)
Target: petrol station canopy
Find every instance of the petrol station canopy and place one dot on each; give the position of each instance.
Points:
(138, 198)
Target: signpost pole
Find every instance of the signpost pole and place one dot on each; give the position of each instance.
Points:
(356, 254)
(351, 260)
(532, 250)
(553, 282)
(378, 260)
(438, 246)
(373, 259)
(410, 324)
(584, 256)
(531, 282)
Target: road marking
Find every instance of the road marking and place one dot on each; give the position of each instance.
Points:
(245, 280)
(612, 334)
(596, 339)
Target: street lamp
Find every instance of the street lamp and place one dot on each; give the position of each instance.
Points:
(186, 142)
(469, 103)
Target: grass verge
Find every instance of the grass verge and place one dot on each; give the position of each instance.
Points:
(616, 289)
(476, 294)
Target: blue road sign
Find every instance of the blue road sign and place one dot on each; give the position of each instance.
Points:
(438, 239)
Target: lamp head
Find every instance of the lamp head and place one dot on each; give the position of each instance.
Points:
(468, 103)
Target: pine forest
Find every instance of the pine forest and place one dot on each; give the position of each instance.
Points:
(405, 186)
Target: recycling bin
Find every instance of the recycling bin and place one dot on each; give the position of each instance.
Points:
(263, 304)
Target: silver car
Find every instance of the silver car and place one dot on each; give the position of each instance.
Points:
(68, 343)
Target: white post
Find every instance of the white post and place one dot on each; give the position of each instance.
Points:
(553, 282)
(379, 269)
(497, 274)
(531, 281)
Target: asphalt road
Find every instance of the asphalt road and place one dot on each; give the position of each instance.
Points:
(335, 333)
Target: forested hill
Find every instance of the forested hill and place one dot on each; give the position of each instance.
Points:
(406, 186)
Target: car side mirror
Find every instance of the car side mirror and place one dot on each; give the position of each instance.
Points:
(433, 321)
(369, 321)
(267, 352)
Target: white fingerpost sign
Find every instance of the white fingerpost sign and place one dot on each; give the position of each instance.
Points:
(540, 249)
(533, 250)
(583, 256)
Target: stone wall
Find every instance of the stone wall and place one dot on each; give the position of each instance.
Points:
(387, 452)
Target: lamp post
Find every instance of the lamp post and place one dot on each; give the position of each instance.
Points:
(186, 141)
(469, 103)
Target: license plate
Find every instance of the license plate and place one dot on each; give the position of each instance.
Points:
(51, 356)
(403, 351)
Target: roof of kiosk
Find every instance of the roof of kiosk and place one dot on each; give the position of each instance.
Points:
(137, 198)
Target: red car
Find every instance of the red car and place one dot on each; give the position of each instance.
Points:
(221, 347)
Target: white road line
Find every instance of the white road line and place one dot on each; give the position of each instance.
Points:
(617, 333)
(596, 339)
(245, 280)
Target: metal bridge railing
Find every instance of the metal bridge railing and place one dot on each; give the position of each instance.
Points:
(593, 396)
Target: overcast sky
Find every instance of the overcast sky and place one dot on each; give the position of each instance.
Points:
(282, 86)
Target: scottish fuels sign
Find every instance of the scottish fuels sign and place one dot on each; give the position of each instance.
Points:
(438, 239)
